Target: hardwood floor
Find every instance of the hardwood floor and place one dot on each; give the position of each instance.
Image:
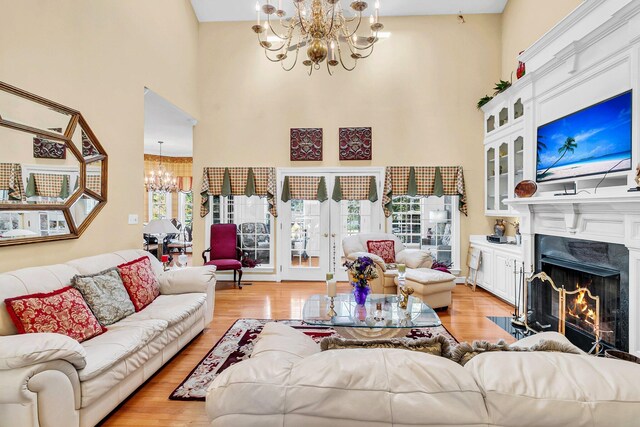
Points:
(149, 406)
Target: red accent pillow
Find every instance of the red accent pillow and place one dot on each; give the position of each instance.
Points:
(140, 282)
(385, 249)
(63, 311)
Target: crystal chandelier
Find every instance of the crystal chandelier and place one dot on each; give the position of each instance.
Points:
(320, 26)
(160, 180)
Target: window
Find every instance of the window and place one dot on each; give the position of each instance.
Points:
(251, 215)
(10, 221)
(427, 223)
(185, 209)
(305, 233)
(159, 205)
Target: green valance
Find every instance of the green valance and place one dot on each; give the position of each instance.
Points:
(48, 185)
(238, 181)
(424, 181)
(304, 188)
(355, 188)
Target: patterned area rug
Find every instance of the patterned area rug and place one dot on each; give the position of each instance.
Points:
(237, 345)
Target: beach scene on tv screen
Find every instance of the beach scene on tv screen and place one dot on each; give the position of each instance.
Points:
(592, 141)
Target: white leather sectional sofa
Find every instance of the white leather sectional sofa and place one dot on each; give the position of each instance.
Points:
(289, 382)
(52, 380)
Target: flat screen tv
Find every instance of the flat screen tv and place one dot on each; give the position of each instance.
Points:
(593, 141)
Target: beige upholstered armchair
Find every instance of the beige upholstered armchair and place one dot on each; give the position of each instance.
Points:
(356, 246)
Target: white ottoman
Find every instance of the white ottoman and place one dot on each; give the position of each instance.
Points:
(432, 286)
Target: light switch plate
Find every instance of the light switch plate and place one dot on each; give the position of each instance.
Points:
(133, 219)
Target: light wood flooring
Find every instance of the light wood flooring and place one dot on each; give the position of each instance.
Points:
(149, 406)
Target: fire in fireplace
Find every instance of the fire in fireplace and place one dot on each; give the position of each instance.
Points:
(589, 301)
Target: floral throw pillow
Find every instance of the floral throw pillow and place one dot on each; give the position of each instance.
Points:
(105, 294)
(385, 249)
(140, 282)
(63, 311)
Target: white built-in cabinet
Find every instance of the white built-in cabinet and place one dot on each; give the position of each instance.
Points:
(499, 267)
(505, 143)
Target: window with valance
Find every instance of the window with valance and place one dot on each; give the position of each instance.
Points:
(424, 181)
(238, 181)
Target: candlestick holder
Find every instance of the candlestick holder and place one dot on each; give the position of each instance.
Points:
(331, 313)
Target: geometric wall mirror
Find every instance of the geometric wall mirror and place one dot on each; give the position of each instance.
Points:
(53, 170)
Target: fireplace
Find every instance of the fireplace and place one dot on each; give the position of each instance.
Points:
(593, 294)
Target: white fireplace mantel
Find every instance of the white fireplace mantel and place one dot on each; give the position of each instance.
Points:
(613, 218)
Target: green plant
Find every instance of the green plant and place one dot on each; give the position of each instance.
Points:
(484, 100)
(501, 86)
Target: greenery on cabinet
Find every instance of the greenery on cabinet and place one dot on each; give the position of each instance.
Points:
(501, 86)
(484, 101)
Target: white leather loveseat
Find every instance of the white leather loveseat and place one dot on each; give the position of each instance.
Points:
(50, 379)
(289, 382)
(432, 286)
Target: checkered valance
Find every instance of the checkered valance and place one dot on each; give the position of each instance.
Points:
(245, 181)
(48, 185)
(424, 181)
(304, 188)
(355, 188)
(11, 180)
(94, 183)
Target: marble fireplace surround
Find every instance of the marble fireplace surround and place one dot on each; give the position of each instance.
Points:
(601, 218)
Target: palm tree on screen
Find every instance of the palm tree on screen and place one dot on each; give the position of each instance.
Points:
(569, 146)
(540, 149)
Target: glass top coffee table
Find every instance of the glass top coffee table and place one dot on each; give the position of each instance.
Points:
(380, 317)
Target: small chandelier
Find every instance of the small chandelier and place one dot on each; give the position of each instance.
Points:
(320, 26)
(160, 180)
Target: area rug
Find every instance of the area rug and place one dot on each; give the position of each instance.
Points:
(236, 345)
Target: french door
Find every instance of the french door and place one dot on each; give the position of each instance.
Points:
(311, 232)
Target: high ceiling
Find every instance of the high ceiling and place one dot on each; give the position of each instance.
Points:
(244, 10)
(165, 122)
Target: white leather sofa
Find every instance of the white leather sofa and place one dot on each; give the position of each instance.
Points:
(432, 286)
(49, 379)
(289, 382)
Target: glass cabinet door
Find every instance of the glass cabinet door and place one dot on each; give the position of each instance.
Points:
(491, 175)
(518, 160)
(503, 176)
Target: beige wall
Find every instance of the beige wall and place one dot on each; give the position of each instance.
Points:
(524, 22)
(97, 56)
(418, 92)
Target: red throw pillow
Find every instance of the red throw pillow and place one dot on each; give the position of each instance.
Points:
(63, 311)
(385, 249)
(140, 281)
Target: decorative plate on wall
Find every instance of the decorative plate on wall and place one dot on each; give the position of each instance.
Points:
(355, 143)
(46, 149)
(306, 144)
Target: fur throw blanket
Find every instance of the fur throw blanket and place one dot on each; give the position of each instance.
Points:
(464, 352)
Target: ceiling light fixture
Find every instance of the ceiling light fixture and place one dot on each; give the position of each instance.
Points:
(160, 180)
(321, 26)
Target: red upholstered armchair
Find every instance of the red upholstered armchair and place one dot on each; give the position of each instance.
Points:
(223, 252)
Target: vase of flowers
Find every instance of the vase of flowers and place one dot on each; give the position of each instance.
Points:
(362, 270)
